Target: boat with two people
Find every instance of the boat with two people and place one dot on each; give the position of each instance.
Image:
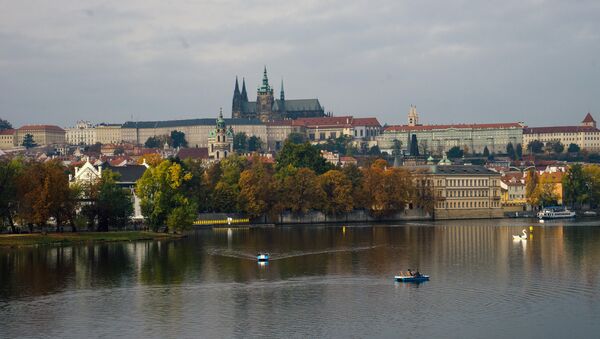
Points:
(555, 212)
(410, 276)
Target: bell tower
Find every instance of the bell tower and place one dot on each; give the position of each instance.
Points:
(413, 116)
(265, 99)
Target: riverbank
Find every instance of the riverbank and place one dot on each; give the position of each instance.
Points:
(19, 240)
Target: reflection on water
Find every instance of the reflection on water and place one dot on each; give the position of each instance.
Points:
(321, 281)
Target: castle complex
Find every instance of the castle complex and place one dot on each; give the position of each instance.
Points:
(267, 108)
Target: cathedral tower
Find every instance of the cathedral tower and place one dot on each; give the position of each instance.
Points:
(265, 100)
(413, 116)
(236, 107)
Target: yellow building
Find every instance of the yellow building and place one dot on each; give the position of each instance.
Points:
(109, 134)
(513, 191)
(7, 139)
(586, 135)
(462, 192)
(43, 135)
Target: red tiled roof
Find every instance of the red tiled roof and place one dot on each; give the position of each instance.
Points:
(455, 126)
(347, 159)
(588, 118)
(366, 122)
(343, 121)
(559, 129)
(7, 132)
(193, 153)
(41, 128)
(279, 123)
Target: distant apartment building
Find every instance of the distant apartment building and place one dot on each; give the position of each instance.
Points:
(462, 192)
(83, 133)
(277, 132)
(7, 139)
(586, 135)
(438, 139)
(109, 133)
(43, 135)
(320, 129)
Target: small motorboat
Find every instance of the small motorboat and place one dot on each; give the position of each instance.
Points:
(262, 257)
(411, 277)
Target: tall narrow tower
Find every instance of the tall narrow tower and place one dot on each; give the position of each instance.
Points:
(413, 116)
(236, 106)
(265, 99)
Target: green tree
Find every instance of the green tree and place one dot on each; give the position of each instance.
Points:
(161, 191)
(414, 145)
(152, 142)
(510, 151)
(519, 151)
(113, 204)
(573, 148)
(28, 141)
(397, 148)
(455, 152)
(338, 192)
(374, 150)
(535, 147)
(10, 171)
(302, 156)
(4, 125)
(558, 147)
(296, 138)
(254, 144)
(178, 139)
(486, 152)
(575, 185)
(240, 142)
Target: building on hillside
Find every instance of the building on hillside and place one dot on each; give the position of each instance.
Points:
(193, 153)
(83, 133)
(109, 133)
(43, 135)
(438, 139)
(267, 108)
(586, 135)
(220, 140)
(277, 132)
(7, 139)
(196, 130)
(462, 192)
(318, 130)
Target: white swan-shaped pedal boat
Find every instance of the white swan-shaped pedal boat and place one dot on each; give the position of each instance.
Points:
(521, 237)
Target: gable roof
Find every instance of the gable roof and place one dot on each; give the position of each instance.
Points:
(53, 128)
(193, 153)
(588, 118)
(128, 174)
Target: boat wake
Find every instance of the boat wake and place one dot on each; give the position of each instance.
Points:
(279, 256)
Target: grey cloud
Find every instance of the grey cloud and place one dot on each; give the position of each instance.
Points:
(459, 61)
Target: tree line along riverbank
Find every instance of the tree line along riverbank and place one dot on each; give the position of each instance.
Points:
(70, 238)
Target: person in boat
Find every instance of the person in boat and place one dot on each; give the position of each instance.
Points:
(410, 272)
(417, 274)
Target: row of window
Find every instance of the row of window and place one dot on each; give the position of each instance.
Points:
(474, 193)
(467, 204)
(469, 182)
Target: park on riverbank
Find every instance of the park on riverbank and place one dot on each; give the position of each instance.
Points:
(68, 238)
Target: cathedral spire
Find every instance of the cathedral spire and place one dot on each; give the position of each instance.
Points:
(282, 94)
(236, 91)
(244, 94)
(265, 88)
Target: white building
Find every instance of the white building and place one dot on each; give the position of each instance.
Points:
(83, 133)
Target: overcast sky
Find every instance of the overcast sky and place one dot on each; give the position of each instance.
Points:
(459, 61)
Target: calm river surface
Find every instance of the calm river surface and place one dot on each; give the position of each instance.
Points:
(325, 281)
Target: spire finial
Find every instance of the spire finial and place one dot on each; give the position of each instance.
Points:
(221, 112)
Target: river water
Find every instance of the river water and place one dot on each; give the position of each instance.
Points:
(329, 281)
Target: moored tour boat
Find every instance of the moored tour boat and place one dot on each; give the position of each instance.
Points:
(555, 213)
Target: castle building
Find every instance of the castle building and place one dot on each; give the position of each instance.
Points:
(586, 135)
(438, 139)
(267, 108)
(220, 140)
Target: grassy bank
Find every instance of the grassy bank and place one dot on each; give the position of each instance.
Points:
(17, 240)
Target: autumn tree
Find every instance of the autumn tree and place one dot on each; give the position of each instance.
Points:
(256, 189)
(338, 192)
(152, 159)
(301, 191)
(10, 171)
